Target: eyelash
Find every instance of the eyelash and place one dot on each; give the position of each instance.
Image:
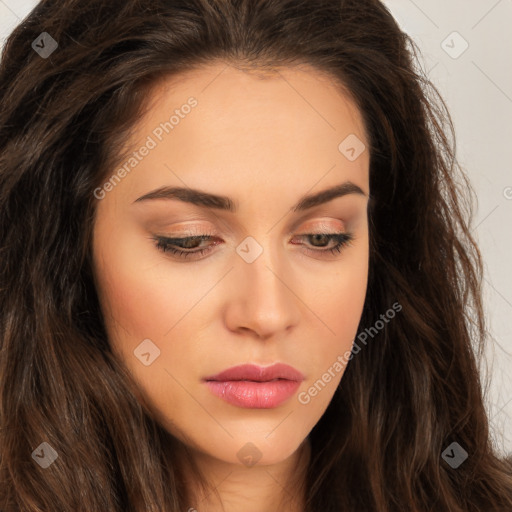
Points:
(166, 244)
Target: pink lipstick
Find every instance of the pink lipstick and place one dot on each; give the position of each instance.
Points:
(255, 387)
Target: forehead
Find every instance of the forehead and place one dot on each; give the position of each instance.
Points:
(248, 126)
(223, 90)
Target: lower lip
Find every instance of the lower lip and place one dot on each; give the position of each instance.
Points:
(254, 395)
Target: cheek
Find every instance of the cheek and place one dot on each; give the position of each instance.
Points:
(138, 305)
(131, 277)
(143, 299)
(338, 302)
(132, 296)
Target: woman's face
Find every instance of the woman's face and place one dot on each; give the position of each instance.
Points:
(262, 292)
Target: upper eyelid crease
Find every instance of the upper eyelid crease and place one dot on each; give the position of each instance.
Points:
(204, 199)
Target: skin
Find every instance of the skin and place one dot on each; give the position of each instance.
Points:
(264, 141)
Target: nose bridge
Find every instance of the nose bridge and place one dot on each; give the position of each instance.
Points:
(262, 267)
(266, 303)
(265, 275)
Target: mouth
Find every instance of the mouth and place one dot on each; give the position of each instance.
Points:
(255, 387)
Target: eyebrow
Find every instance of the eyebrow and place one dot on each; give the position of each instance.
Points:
(218, 202)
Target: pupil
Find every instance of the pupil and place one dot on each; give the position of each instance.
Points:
(189, 243)
(319, 237)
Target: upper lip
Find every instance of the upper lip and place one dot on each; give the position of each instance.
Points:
(258, 373)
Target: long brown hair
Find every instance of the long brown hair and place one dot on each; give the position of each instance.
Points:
(406, 396)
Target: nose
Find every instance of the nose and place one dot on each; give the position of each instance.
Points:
(262, 299)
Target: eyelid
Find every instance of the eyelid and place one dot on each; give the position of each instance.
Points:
(195, 230)
(322, 225)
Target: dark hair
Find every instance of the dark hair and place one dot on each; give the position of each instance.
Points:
(406, 397)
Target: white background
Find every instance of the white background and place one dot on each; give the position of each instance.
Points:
(477, 86)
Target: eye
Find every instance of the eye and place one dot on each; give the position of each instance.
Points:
(190, 246)
(322, 240)
(183, 247)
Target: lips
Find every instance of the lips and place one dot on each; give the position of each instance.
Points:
(258, 373)
(255, 387)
